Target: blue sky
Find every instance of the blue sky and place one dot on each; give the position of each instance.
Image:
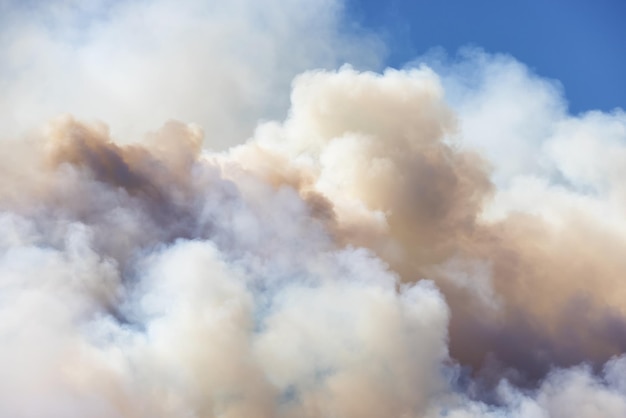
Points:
(581, 43)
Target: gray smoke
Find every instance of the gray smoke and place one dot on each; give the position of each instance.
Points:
(442, 240)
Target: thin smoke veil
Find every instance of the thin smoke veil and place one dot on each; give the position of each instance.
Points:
(222, 65)
(442, 240)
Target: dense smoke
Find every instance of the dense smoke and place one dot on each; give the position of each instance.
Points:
(442, 240)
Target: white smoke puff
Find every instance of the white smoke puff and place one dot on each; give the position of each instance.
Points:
(393, 106)
(614, 371)
(504, 110)
(355, 348)
(222, 65)
(584, 157)
(578, 392)
(520, 122)
(197, 315)
(589, 152)
(215, 345)
(46, 294)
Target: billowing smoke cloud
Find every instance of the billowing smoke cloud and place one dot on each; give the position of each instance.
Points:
(532, 286)
(442, 240)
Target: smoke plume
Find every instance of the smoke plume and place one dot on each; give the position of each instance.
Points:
(440, 240)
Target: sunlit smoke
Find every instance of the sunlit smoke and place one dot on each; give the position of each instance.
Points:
(441, 240)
